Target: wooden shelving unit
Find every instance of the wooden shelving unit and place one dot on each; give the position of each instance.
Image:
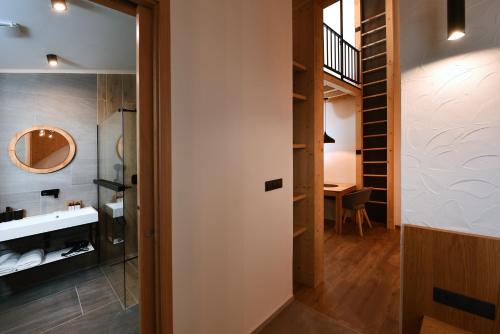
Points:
(307, 142)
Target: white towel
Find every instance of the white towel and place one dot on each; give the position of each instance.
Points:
(9, 265)
(30, 259)
(5, 254)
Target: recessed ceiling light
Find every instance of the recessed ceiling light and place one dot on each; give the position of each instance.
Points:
(52, 60)
(59, 5)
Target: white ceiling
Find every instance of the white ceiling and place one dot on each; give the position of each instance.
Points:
(86, 38)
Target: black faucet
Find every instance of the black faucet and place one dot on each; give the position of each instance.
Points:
(51, 192)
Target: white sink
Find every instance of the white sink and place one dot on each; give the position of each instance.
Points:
(115, 210)
(45, 223)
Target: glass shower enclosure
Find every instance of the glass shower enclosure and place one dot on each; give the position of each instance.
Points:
(117, 184)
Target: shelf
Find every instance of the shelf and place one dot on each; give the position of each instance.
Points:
(299, 97)
(56, 256)
(298, 67)
(298, 230)
(299, 146)
(111, 185)
(298, 197)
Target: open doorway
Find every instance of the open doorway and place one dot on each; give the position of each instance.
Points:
(357, 278)
(74, 50)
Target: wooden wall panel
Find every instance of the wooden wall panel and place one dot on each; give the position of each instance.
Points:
(461, 263)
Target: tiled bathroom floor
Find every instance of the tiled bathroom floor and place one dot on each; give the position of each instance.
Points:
(78, 303)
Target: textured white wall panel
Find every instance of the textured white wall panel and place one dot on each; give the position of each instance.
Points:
(451, 118)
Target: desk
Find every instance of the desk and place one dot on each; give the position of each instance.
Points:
(338, 192)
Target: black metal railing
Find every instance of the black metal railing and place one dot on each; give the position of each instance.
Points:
(340, 57)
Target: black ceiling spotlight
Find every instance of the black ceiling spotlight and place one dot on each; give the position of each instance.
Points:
(326, 138)
(52, 60)
(456, 19)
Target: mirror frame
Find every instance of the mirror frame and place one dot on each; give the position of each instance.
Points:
(15, 160)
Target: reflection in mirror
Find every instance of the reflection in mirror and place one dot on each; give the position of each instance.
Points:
(119, 147)
(42, 149)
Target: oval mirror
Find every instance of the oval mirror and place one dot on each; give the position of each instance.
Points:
(42, 149)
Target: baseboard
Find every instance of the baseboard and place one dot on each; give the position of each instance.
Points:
(272, 316)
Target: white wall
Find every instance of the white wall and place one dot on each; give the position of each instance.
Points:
(340, 158)
(331, 16)
(451, 118)
(232, 130)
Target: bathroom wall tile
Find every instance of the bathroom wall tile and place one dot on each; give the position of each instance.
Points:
(41, 314)
(67, 101)
(84, 171)
(29, 201)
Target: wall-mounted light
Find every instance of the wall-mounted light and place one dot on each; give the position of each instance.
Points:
(59, 5)
(52, 60)
(456, 19)
(326, 138)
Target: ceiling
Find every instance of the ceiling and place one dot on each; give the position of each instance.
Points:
(87, 38)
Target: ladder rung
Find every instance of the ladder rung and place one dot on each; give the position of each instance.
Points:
(375, 149)
(373, 17)
(379, 189)
(375, 56)
(375, 122)
(374, 109)
(299, 146)
(375, 69)
(377, 202)
(374, 95)
(373, 30)
(374, 82)
(374, 136)
(374, 43)
(374, 175)
(374, 162)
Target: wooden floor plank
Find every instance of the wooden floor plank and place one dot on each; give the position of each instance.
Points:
(362, 279)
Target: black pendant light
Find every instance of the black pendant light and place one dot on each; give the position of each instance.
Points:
(326, 138)
(456, 19)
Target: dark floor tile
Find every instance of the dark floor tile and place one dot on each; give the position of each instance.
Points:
(95, 294)
(48, 288)
(298, 318)
(109, 319)
(42, 314)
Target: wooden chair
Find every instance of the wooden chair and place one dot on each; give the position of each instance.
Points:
(354, 203)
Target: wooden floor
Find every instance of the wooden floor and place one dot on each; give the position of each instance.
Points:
(362, 280)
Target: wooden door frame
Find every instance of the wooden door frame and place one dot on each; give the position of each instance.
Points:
(154, 157)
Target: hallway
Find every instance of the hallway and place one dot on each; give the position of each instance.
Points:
(361, 289)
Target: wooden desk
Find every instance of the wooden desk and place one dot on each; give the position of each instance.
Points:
(338, 192)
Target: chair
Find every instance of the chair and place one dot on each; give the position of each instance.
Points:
(355, 203)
